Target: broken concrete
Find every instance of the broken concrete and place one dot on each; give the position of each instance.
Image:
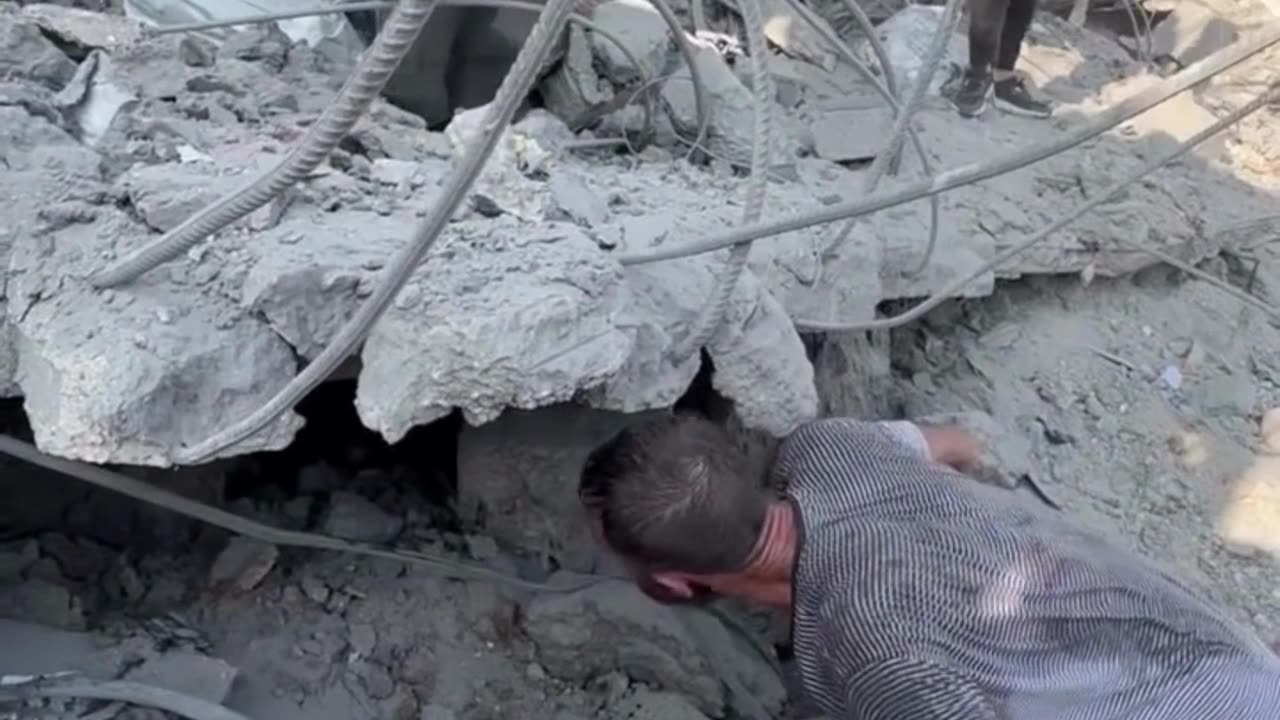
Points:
(33, 649)
(352, 517)
(520, 304)
(613, 626)
(1192, 32)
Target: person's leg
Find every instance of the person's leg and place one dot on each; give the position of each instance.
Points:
(986, 24)
(1011, 93)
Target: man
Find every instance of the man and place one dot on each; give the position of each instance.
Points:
(916, 593)
(996, 31)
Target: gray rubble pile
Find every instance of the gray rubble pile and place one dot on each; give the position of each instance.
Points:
(521, 304)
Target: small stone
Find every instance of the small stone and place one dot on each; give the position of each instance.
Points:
(573, 198)
(363, 639)
(79, 559)
(15, 559)
(482, 547)
(352, 517)
(40, 601)
(196, 52)
(165, 592)
(1226, 395)
(393, 172)
(318, 478)
(645, 704)
(46, 569)
(129, 582)
(377, 681)
(243, 564)
(315, 589)
(298, 510)
(437, 712)
(534, 671)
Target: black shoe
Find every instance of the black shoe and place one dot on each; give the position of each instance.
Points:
(1012, 96)
(973, 92)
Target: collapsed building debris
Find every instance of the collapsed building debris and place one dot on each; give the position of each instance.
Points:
(520, 317)
(539, 232)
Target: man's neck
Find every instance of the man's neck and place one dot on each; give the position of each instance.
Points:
(766, 579)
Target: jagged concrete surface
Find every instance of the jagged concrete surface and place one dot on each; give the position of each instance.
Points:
(521, 303)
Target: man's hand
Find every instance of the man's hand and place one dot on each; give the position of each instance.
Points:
(975, 444)
(954, 446)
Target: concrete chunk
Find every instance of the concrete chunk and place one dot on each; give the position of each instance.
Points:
(1191, 33)
(639, 28)
(128, 375)
(520, 318)
(27, 54)
(732, 109)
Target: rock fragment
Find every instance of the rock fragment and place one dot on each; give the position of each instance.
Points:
(42, 601)
(187, 672)
(84, 28)
(1192, 32)
(641, 31)
(243, 564)
(16, 558)
(1226, 395)
(79, 559)
(352, 517)
(27, 54)
(650, 705)
(572, 198)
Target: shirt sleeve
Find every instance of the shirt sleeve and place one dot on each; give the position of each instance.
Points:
(901, 688)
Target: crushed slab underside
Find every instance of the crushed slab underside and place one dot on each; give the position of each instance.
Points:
(521, 303)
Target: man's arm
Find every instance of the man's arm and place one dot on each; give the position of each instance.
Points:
(912, 689)
(948, 445)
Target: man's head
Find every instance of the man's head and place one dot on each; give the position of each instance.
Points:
(677, 500)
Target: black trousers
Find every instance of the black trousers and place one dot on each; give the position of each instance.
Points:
(996, 30)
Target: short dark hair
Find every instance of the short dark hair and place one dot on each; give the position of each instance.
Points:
(676, 493)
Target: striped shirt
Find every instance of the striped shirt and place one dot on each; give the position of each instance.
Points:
(920, 594)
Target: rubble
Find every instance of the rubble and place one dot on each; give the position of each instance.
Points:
(1192, 32)
(650, 705)
(242, 564)
(351, 517)
(520, 304)
(518, 476)
(613, 626)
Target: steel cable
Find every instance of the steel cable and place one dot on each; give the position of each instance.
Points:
(887, 91)
(1157, 93)
(1105, 195)
(389, 48)
(928, 68)
(726, 280)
